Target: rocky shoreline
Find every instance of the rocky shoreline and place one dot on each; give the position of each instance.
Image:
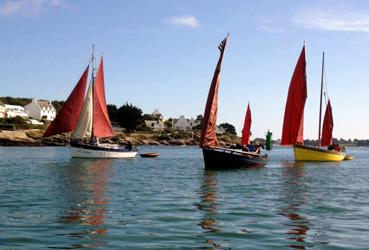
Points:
(34, 138)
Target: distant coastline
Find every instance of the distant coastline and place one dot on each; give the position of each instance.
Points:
(33, 137)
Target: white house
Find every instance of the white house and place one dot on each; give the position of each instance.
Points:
(40, 108)
(182, 123)
(15, 110)
(155, 125)
(219, 130)
(157, 114)
(2, 111)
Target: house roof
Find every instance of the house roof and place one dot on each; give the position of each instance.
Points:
(156, 112)
(45, 104)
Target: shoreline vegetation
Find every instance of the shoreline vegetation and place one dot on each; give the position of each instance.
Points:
(33, 137)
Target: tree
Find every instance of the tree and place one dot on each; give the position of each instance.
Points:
(198, 121)
(113, 112)
(229, 128)
(57, 105)
(129, 117)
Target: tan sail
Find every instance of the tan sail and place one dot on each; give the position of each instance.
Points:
(84, 125)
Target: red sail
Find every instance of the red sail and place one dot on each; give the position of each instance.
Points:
(67, 117)
(294, 113)
(208, 133)
(327, 126)
(246, 127)
(101, 123)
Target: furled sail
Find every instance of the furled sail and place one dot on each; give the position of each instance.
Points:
(101, 123)
(294, 112)
(208, 133)
(67, 117)
(327, 126)
(84, 125)
(246, 127)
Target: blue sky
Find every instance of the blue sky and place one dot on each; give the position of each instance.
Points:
(162, 54)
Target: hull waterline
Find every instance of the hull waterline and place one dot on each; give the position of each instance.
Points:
(223, 159)
(308, 153)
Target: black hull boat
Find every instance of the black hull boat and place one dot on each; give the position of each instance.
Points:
(223, 159)
(215, 157)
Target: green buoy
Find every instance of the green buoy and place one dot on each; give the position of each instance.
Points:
(268, 141)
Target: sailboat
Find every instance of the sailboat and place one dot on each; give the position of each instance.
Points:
(246, 132)
(86, 116)
(293, 123)
(216, 157)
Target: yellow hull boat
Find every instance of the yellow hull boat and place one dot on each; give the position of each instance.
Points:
(308, 153)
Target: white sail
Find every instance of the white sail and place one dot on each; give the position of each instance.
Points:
(84, 125)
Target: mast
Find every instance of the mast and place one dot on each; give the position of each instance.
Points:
(93, 66)
(208, 135)
(321, 97)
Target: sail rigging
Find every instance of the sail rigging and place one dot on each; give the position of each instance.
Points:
(327, 138)
(320, 104)
(294, 112)
(101, 123)
(208, 133)
(246, 127)
(67, 117)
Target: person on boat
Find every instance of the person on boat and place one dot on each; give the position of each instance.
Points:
(93, 140)
(129, 146)
(336, 147)
(251, 147)
(257, 149)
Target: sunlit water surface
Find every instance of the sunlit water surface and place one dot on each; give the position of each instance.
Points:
(48, 200)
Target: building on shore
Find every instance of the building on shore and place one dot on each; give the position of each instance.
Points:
(14, 111)
(157, 115)
(183, 124)
(219, 130)
(2, 111)
(155, 125)
(39, 109)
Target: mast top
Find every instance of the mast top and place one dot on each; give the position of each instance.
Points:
(93, 61)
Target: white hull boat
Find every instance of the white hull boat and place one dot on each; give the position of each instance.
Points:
(92, 151)
(86, 116)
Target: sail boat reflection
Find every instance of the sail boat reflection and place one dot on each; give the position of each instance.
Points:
(85, 187)
(207, 205)
(294, 195)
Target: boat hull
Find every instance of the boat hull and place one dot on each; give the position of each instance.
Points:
(223, 159)
(90, 151)
(308, 153)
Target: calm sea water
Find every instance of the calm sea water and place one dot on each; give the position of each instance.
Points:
(48, 200)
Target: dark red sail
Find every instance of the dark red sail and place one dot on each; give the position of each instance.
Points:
(67, 117)
(208, 133)
(101, 123)
(294, 112)
(246, 127)
(327, 126)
